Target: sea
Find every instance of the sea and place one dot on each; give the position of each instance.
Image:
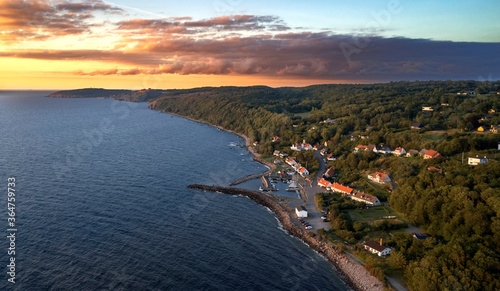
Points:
(101, 203)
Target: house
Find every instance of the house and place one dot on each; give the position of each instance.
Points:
(301, 146)
(283, 155)
(290, 161)
(328, 120)
(432, 154)
(360, 147)
(329, 173)
(411, 153)
(336, 187)
(399, 151)
(323, 151)
(445, 104)
(364, 136)
(382, 149)
(420, 236)
(379, 177)
(276, 153)
(417, 126)
(422, 152)
(435, 169)
(494, 128)
(256, 143)
(491, 111)
(482, 129)
(301, 211)
(365, 198)
(317, 147)
(477, 160)
(303, 172)
(324, 183)
(277, 138)
(377, 248)
(331, 157)
(427, 108)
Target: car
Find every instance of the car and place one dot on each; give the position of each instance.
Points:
(309, 227)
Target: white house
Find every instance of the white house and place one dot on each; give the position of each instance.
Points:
(301, 147)
(477, 160)
(324, 183)
(427, 108)
(377, 248)
(379, 177)
(301, 211)
(365, 198)
(303, 172)
(399, 151)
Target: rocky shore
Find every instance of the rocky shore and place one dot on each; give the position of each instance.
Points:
(355, 275)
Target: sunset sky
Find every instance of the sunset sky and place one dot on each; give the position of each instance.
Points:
(180, 44)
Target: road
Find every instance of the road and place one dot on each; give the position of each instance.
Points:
(314, 215)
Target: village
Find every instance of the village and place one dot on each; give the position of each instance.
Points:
(316, 191)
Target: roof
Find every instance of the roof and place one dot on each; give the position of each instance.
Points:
(374, 245)
(417, 124)
(330, 171)
(342, 188)
(381, 175)
(301, 208)
(433, 154)
(323, 182)
(422, 152)
(365, 197)
(302, 169)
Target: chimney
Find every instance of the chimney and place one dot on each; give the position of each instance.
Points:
(380, 241)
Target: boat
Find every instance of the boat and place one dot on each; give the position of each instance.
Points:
(292, 186)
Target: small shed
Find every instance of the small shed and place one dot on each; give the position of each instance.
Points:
(301, 211)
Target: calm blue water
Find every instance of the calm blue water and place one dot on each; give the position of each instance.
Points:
(102, 204)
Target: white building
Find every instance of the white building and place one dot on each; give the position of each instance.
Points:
(365, 198)
(301, 211)
(477, 160)
(376, 248)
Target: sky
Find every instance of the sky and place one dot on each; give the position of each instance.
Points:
(65, 44)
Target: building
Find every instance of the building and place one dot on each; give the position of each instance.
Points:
(324, 183)
(336, 187)
(277, 138)
(290, 161)
(303, 172)
(377, 248)
(329, 173)
(365, 198)
(301, 211)
(379, 177)
(399, 151)
(382, 150)
(328, 120)
(491, 111)
(420, 236)
(256, 143)
(301, 147)
(482, 129)
(276, 153)
(417, 126)
(477, 161)
(360, 147)
(440, 171)
(331, 157)
(323, 151)
(494, 128)
(411, 153)
(427, 108)
(432, 154)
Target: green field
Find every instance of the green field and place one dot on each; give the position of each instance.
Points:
(371, 214)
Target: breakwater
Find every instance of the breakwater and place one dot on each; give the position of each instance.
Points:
(356, 276)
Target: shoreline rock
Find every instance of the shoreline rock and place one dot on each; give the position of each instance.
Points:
(355, 275)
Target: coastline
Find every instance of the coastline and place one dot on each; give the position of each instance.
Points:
(246, 139)
(355, 275)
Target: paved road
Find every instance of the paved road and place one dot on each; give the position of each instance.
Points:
(314, 215)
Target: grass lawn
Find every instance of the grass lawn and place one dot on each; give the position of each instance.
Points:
(433, 137)
(371, 214)
(302, 115)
